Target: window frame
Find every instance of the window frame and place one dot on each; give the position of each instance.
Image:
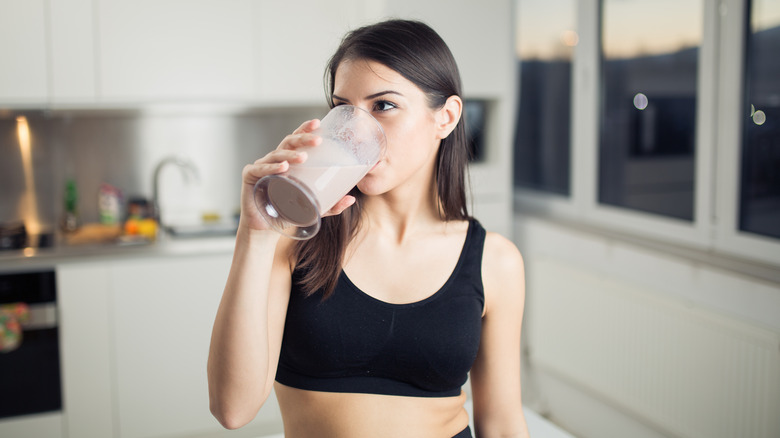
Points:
(718, 145)
(734, 23)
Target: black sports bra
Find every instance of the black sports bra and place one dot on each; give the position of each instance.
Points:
(352, 342)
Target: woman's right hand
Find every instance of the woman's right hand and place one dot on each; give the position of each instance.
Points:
(278, 161)
(275, 162)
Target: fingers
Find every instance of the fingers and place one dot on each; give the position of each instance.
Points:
(279, 155)
(275, 162)
(287, 153)
(300, 140)
(342, 205)
(253, 172)
(302, 137)
(307, 126)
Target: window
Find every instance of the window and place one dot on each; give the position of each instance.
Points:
(760, 171)
(545, 40)
(649, 72)
(674, 132)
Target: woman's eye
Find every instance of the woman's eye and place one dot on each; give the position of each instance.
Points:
(383, 105)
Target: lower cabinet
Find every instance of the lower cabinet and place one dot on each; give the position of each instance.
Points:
(162, 318)
(142, 365)
(83, 300)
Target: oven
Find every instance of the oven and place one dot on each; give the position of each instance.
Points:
(30, 380)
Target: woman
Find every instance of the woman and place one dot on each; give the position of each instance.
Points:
(371, 328)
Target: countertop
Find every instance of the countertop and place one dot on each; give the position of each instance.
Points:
(165, 246)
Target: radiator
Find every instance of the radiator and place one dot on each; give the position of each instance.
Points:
(686, 372)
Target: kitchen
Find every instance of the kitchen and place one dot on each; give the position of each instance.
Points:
(635, 325)
(110, 104)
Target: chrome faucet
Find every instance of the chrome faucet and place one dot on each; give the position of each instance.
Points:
(187, 168)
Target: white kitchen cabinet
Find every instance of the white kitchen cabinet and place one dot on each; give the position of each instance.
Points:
(48, 52)
(49, 425)
(83, 297)
(266, 52)
(163, 312)
(135, 334)
(24, 71)
(479, 34)
(295, 41)
(72, 33)
(175, 50)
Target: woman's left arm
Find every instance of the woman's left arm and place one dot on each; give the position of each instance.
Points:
(495, 375)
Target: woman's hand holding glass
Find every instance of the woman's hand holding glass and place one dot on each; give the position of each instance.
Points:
(276, 162)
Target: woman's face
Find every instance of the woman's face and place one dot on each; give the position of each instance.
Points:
(403, 111)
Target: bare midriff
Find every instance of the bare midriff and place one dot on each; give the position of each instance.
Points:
(350, 415)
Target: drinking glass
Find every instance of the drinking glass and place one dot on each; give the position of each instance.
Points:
(293, 202)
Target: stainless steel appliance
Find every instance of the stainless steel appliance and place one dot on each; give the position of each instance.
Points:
(30, 380)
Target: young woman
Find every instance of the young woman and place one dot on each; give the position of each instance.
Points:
(371, 328)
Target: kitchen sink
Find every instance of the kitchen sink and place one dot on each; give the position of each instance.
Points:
(201, 230)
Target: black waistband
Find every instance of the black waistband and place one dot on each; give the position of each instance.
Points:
(465, 433)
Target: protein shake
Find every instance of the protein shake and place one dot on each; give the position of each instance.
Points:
(293, 202)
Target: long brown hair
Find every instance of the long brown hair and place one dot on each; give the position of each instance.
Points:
(418, 53)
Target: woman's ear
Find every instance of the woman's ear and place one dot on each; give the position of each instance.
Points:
(447, 116)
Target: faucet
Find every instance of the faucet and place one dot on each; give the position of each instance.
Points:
(186, 166)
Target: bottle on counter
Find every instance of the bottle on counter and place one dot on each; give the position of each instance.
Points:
(109, 204)
(70, 220)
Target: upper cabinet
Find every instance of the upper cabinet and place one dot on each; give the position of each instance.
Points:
(175, 50)
(24, 71)
(479, 34)
(295, 41)
(262, 52)
(47, 48)
(72, 56)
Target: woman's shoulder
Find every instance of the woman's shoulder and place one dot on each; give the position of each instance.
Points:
(503, 272)
(500, 254)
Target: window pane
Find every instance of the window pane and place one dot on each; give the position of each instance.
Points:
(760, 191)
(648, 107)
(545, 42)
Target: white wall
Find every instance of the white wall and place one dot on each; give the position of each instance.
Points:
(619, 336)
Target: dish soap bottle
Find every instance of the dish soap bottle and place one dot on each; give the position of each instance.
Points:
(109, 204)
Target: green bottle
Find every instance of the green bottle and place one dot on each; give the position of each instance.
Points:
(71, 220)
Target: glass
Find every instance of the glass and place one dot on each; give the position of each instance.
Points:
(759, 210)
(293, 202)
(546, 38)
(648, 105)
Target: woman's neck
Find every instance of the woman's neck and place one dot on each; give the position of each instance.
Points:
(401, 215)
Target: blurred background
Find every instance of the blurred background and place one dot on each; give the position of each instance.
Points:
(630, 148)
